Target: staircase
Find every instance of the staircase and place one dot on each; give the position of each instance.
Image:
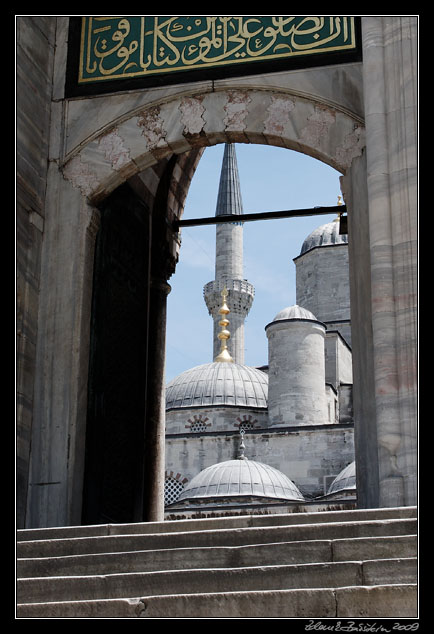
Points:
(357, 564)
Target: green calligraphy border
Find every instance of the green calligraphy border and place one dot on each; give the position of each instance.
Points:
(77, 85)
(84, 50)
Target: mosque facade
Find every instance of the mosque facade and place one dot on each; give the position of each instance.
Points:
(279, 435)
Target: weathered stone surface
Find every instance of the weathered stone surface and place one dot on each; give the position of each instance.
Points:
(102, 609)
(303, 460)
(390, 90)
(283, 604)
(215, 523)
(296, 392)
(320, 112)
(231, 579)
(394, 601)
(206, 538)
(179, 559)
(311, 551)
(374, 548)
(35, 37)
(198, 571)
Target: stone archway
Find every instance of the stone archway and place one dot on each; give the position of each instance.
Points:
(166, 130)
(133, 143)
(135, 146)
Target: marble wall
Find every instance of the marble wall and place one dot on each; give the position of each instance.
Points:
(390, 94)
(35, 39)
(309, 457)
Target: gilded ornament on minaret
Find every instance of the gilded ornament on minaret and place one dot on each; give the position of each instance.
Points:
(229, 261)
(224, 334)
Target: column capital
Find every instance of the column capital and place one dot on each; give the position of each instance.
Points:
(160, 284)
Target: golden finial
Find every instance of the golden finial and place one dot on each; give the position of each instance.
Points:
(339, 212)
(224, 334)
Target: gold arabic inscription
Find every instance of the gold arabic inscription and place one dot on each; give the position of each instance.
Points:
(134, 46)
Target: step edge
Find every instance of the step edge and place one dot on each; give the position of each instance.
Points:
(220, 531)
(359, 562)
(296, 542)
(105, 529)
(230, 592)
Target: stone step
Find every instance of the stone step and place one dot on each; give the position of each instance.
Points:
(390, 601)
(253, 578)
(211, 538)
(314, 551)
(241, 521)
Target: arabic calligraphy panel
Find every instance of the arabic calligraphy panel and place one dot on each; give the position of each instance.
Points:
(140, 46)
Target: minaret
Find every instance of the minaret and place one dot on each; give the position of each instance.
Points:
(229, 261)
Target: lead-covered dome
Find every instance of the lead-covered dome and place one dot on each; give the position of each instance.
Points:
(294, 312)
(324, 236)
(345, 481)
(218, 384)
(240, 478)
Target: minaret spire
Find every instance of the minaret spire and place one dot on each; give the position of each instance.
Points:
(229, 199)
(229, 260)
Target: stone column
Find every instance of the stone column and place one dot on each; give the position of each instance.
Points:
(60, 399)
(154, 459)
(390, 95)
(364, 405)
(163, 259)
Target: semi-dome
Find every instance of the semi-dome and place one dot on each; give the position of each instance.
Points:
(324, 236)
(240, 478)
(218, 384)
(294, 312)
(345, 480)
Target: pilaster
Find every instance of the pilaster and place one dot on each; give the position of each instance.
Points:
(390, 81)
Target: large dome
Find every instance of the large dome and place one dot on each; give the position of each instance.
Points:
(324, 236)
(218, 384)
(240, 478)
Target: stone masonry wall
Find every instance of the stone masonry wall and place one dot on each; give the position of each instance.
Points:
(322, 282)
(307, 456)
(35, 53)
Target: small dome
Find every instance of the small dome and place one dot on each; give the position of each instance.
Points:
(325, 236)
(218, 384)
(345, 480)
(240, 477)
(294, 312)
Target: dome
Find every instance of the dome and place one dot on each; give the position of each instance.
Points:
(294, 312)
(345, 480)
(325, 236)
(240, 477)
(218, 384)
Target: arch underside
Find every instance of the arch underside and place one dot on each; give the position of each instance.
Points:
(143, 141)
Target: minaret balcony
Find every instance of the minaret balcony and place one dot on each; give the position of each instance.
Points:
(240, 295)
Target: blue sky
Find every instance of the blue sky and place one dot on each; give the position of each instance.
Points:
(271, 179)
